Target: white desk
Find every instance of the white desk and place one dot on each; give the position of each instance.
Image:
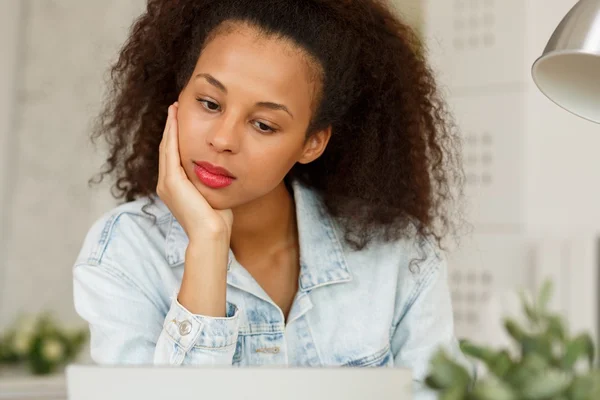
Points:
(15, 385)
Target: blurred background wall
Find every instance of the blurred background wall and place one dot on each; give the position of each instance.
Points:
(53, 67)
(532, 168)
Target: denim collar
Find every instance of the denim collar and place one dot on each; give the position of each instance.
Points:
(322, 260)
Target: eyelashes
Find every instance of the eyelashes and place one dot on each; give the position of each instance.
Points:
(213, 107)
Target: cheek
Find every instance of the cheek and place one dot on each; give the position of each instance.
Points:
(275, 160)
(190, 132)
(185, 143)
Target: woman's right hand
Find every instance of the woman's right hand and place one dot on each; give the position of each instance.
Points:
(199, 220)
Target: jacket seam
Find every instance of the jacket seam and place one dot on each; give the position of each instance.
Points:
(197, 346)
(219, 348)
(106, 235)
(331, 231)
(259, 330)
(307, 322)
(110, 269)
(370, 359)
(432, 267)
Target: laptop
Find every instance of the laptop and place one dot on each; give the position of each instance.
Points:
(91, 382)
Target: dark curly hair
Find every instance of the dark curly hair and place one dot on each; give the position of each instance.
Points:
(393, 159)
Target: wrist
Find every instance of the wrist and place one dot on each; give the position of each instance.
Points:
(212, 247)
(210, 236)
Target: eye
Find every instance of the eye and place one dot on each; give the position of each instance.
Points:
(209, 105)
(264, 128)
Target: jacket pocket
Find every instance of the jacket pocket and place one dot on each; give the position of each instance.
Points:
(381, 358)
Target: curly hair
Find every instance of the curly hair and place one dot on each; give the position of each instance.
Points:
(394, 157)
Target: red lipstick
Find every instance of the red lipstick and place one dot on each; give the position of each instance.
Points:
(213, 176)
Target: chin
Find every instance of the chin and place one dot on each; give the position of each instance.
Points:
(217, 199)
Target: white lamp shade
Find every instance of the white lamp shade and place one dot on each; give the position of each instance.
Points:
(568, 72)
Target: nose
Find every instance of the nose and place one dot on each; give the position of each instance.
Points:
(223, 137)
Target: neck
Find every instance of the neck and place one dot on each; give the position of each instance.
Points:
(264, 226)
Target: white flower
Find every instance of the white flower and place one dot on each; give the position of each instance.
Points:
(22, 343)
(52, 350)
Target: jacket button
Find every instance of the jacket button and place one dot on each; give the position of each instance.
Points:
(185, 327)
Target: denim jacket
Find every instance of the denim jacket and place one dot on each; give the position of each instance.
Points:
(353, 308)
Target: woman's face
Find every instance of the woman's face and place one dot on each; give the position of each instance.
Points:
(246, 108)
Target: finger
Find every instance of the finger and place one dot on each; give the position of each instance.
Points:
(162, 142)
(162, 153)
(172, 144)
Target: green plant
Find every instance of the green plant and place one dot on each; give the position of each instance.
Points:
(548, 363)
(40, 343)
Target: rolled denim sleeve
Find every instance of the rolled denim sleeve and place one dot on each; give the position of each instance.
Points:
(426, 325)
(194, 339)
(130, 326)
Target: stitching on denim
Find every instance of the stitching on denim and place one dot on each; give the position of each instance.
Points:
(370, 359)
(179, 355)
(100, 247)
(225, 347)
(162, 219)
(261, 329)
(166, 330)
(188, 313)
(168, 333)
(307, 324)
(178, 341)
(167, 241)
(116, 273)
(331, 231)
(329, 227)
(431, 268)
(106, 236)
(237, 356)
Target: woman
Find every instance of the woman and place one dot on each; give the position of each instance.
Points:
(291, 208)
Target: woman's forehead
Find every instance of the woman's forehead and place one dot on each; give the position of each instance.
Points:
(244, 57)
(245, 43)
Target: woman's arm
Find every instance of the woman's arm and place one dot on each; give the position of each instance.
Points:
(425, 325)
(128, 327)
(204, 284)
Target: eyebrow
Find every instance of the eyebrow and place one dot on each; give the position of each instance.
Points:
(265, 104)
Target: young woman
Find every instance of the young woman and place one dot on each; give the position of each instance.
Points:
(287, 170)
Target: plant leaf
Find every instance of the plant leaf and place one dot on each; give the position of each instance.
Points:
(492, 389)
(432, 383)
(454, 393)
(445, 373)
(585, 387)
(556, 327)
(514, 329)
(529, 310)
(548, 384)
(538, 344)
(580, 346)
(544, 297)
(481, 353)
(502, 364)
(499, 363)
(522, 372)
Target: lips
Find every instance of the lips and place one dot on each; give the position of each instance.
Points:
(213, 176)
(215, 169)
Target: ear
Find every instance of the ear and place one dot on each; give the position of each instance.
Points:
(315, 146)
